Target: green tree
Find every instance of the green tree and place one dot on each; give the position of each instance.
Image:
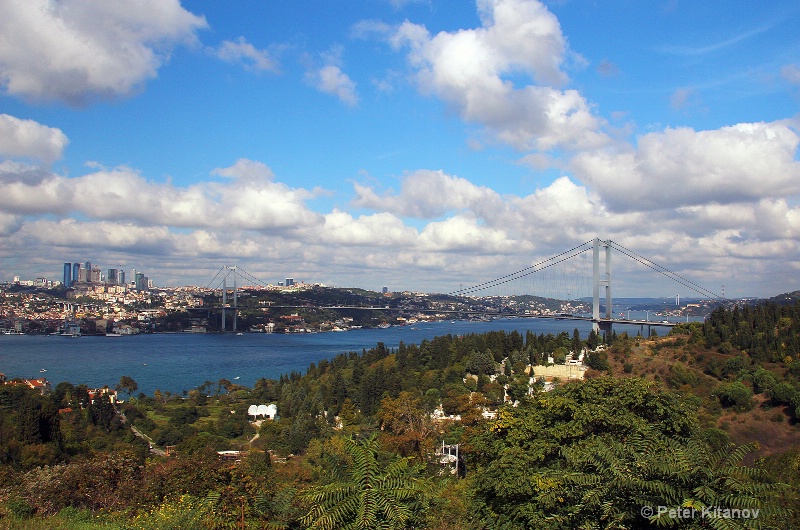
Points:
(366, 494)
(735, 395)
(480, 362)
(127, 384)
(592, 454)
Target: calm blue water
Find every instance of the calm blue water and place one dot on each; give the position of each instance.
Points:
(178, 362)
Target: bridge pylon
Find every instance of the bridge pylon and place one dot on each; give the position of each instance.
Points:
(225, 297)
(603, 280)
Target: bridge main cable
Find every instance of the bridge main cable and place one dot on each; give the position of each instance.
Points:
(666, 272)
(527, 270)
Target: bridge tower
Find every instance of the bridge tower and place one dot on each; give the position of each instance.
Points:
(225, 298)
(604, 281)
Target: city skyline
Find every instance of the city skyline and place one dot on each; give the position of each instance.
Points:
(419, 144)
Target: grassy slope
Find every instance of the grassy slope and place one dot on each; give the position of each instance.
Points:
(654, 359)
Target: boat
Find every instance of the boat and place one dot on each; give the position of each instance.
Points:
(43, 370)
(113, 334)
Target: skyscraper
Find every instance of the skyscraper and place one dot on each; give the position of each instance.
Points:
(67, 274)
(76, 269)
(112, 277)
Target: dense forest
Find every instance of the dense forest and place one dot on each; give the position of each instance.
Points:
(697, 429)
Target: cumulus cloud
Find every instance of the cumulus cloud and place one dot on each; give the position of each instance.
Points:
(250, 200)
(380, 229)
(464, 233)
(683, 167)
(330, 79)
(471, 70)
(244, 53)
(428, 194)
(9, 224)
(29, 139)
(76, 50)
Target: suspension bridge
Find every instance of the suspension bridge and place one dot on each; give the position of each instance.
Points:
(529, 281)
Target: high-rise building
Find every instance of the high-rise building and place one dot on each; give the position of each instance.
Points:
(112, 277)
(121, 278)
(289, 282)
(76, 269)
(140, 282)
(96, 275)
(67, 274)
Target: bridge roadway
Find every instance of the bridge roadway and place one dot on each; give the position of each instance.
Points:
(471, 312)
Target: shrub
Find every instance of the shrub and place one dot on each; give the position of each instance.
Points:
(735, 395)
(598, 361)
(19, 508)
(627, 368)
(763, 381)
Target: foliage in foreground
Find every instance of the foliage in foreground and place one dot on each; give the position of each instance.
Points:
(366, 493)
(601, 453)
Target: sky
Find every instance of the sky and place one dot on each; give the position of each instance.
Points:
(420, 145)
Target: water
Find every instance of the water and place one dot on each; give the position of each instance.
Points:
(183, 361)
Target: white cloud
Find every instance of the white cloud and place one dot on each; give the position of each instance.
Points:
(242, 52)
(791, 74)
(683, 98)
(427, 194)
(107, 235)
(330, 79)
(76, 50)
(9, 224)
(380, 229)
(464, 234)
(30, 139)
(471, 70)
(683, 167)
(250, 200)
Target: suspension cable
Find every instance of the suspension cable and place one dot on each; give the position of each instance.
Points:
(523, 272)
(666, 272)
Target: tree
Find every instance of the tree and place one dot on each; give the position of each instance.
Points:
(127, 384)
(406, 424)
(592, 454)
(735, 395)
(366, 493)
(480, 362)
